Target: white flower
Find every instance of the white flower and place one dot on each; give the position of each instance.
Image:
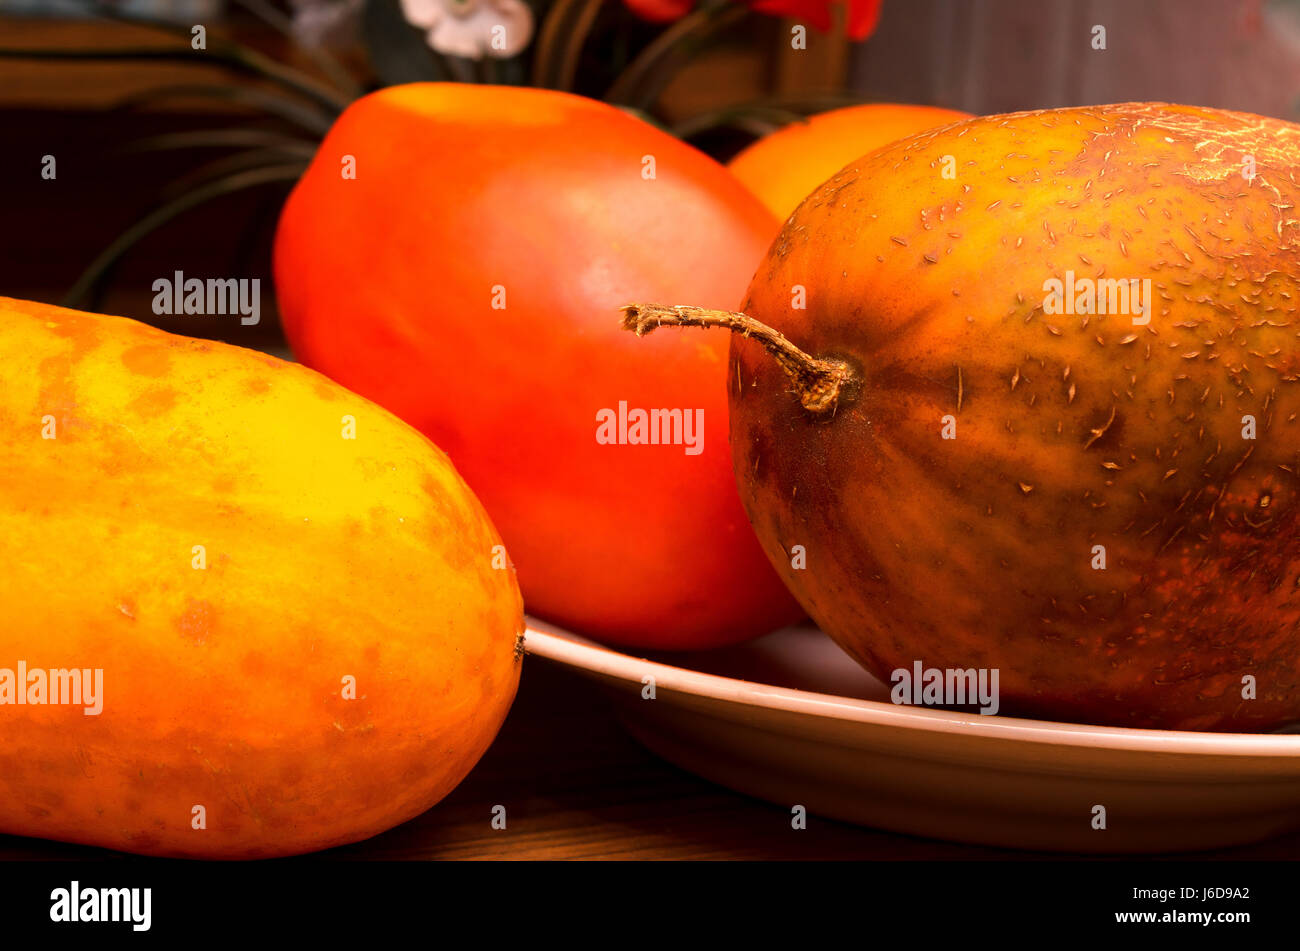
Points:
(473, 28)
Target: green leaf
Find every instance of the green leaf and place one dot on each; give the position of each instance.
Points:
(222, 139)
(643, 81)
(327, 63)
(249, 57)
(227, 165)
(759, 119)
(230, 56)
(310, 118)
(564, 30)
(110, 256)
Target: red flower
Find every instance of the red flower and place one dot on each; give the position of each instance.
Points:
(660, 11)
(863, 14)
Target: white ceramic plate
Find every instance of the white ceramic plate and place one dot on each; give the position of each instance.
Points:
(792, 719)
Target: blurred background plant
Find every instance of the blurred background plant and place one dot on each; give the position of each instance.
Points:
(147, 129)
(624, 52)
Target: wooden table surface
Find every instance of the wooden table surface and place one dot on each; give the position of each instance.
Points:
(575, 786)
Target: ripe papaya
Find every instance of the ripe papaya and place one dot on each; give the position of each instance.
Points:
(241, 632)
(785, 167)
(1043, 417)
(463, 279)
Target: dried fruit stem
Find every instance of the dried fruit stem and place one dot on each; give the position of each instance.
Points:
(818, 382)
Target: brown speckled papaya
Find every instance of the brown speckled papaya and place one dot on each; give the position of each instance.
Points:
(1161, 443)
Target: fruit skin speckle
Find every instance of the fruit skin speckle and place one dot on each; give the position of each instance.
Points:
(198, 621)
(223, 684)
(1073, 430)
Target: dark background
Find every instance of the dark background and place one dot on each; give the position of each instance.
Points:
(982, 56)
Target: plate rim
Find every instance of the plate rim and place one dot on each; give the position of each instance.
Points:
(543, 639)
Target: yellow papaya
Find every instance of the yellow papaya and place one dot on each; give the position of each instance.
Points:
(247, 612)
